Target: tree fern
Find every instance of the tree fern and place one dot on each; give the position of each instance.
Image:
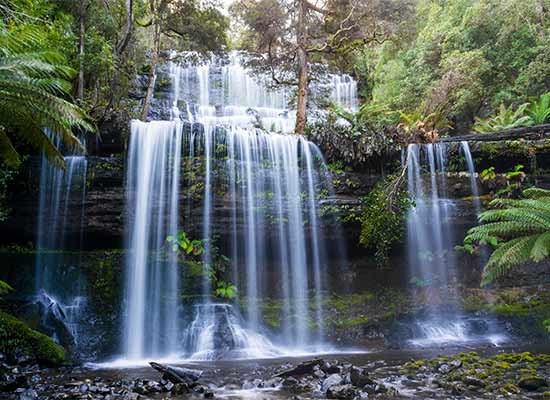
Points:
(521, 229)
(506, 118)
(34, 86)
(539, 111)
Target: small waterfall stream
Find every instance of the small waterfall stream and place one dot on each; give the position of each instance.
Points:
(271, 182)
(60, 191)
(430, 247)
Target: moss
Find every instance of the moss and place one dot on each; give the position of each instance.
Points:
(362, 320)
(15, 334)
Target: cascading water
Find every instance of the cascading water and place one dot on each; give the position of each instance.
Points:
(59, 191)
(430, 246)
(152, 303)
(275, 238)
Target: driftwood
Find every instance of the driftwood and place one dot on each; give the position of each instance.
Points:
(176, 374)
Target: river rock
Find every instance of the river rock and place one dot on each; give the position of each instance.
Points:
(332, 380)
(343, 392)
(305, 368)
(532, 382)
(359, 377)
(473, 381)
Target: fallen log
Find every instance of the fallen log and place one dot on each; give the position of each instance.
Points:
(176, 374)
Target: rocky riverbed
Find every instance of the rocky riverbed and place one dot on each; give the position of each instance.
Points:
(488, 374)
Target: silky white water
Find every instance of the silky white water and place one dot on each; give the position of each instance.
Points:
(274, 237)
(430, 246)
(60, 190)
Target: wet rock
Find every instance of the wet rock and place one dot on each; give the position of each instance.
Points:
(343, 392)
(332, 380)
(532, 382)
(28, 394)
(329, 368)
(290, 383)
(305, 368)
(473, 381)
(359, 377)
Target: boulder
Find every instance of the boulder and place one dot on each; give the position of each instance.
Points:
(332, 380)
(532, 382)
(359, 377)
(305, 368)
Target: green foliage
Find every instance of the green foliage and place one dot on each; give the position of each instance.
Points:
(463, 57)
(34, 82)
(353, 143)
(383, 217)
(4, 289)
(226, 290)
(518, 228)
(539, 110)
(507, 118)
(488, 174)
(181, 243)
(16, 335)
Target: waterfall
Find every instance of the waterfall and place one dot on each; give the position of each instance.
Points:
(429, 239)
(152, 186)
(430, 247)
(60, 190)
(473, 177)
(275, 239)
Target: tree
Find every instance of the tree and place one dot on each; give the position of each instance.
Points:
(297, 36)
(519, 228)
(34, 85)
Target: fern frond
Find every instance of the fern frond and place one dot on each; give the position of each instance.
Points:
(534, 218)
(536, 193)
(503, 230)
(541, 247)
(506, 256)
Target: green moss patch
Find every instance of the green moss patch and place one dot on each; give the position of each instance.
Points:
(16, 335)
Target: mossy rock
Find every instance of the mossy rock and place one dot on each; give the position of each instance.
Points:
(16, 335)
(532, 382)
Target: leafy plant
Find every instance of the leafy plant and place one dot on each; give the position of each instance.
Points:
(34, 85)
(539, 110)
(518, 228)
(506, 118)
(488, 174)
(383, 216)
(226, 290)
(515, 173)
(4, 288)
(182, 243)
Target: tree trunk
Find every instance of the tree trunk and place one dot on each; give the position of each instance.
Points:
(129, 28)
(81, 38)
(156, 30)
(301, 116)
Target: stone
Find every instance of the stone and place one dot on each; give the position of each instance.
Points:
(532, 382)
(343, 392)
(28, 394)
(473, 381)
(329, 368)
(305, 368)
(359, 377)
(332, 380)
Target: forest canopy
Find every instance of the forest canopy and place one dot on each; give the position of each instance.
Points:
(424, 67)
